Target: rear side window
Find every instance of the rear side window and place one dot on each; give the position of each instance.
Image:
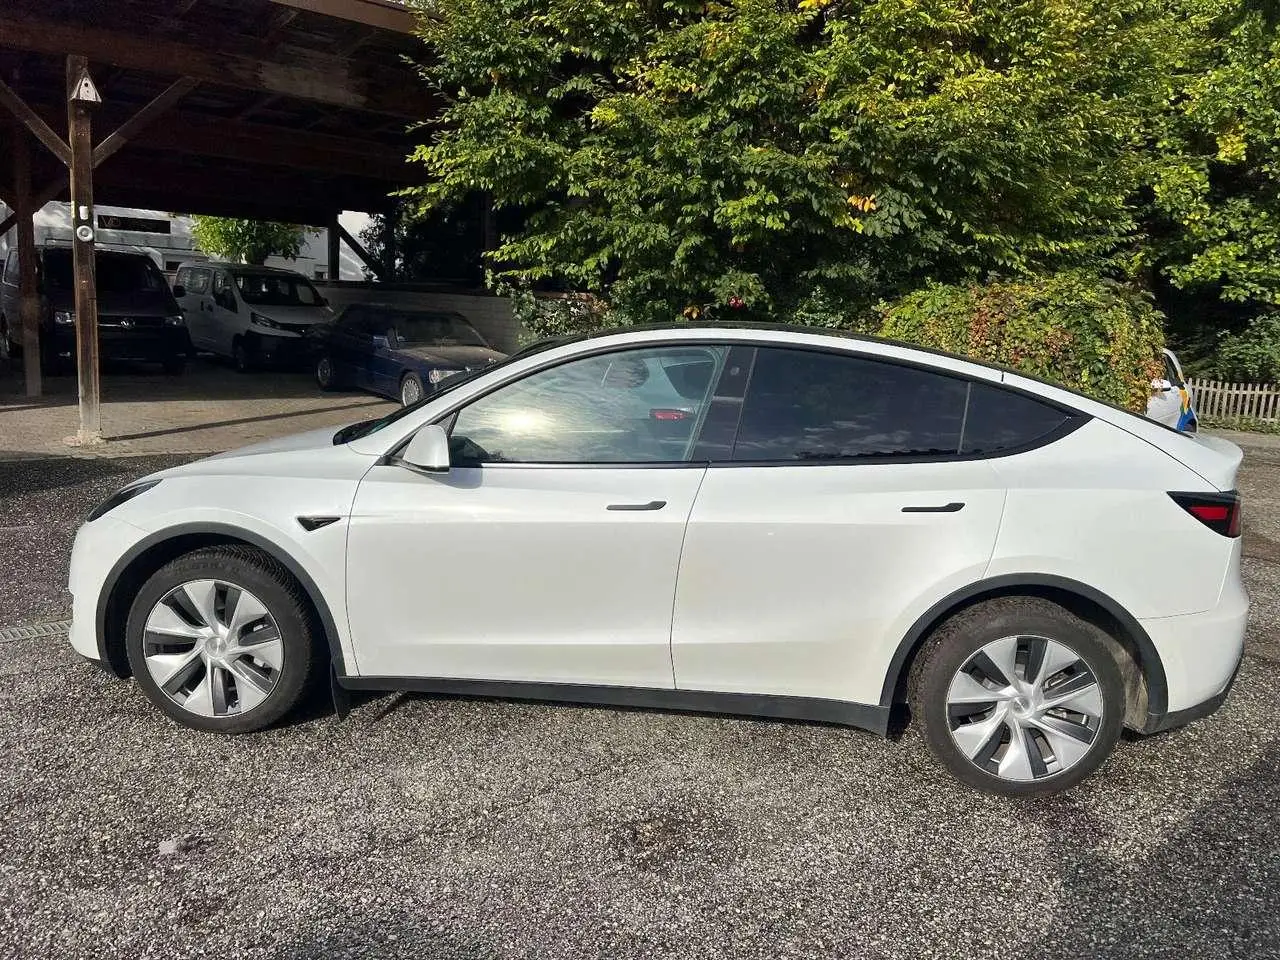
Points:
(811, 406)
(1000, 419)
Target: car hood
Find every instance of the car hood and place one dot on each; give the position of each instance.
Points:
(135, 303)
(321, 439)
(298, 315)
(453, 356)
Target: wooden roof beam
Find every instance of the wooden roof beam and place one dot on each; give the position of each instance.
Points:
(383, 14)
(290, 71)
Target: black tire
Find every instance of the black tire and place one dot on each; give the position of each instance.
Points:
(256, 572)
(8, 348)
(411, 390)
(958, 639)
(325, 372)
(174, 365)
(240, 357)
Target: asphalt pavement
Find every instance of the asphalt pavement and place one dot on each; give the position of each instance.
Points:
(430, 827)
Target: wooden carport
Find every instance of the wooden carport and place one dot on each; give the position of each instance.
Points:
(289, 110)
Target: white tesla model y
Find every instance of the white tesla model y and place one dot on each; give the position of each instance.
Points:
(759, 521)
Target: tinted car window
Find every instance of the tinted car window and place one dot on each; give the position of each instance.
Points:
(413, 328)
(1171, 372)
(276, 290)
(1001, 419)
(810, 406)
(11, 268)
(197, 281)
(116, 272)
(634, 406)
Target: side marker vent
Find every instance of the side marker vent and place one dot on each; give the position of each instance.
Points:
(315, 523)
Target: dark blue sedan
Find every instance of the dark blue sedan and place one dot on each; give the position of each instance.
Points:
(398, 352)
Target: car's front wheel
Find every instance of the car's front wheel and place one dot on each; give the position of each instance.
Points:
(223, 639)
(241, 359)
(1018, 696)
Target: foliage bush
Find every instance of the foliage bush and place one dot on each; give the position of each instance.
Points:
(1252, 355)
(1094, 335)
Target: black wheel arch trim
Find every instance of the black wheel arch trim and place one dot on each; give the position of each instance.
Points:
(269, 547)
(1152, 665)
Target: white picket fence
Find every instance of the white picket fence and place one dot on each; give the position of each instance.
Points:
(1258, 401)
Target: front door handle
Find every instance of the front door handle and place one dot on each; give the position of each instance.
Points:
(953, 507)
(651, 505)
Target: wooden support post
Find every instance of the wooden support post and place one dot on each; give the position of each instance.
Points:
(335, 249)
(79, 133)
(29, 297)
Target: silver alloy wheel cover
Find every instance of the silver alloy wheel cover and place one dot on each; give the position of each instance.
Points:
(213, 648)
(1024, 708)
(410, 391)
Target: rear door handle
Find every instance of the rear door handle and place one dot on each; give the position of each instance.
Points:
(651, 505)
(953, 507)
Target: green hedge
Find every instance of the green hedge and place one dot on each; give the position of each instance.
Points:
(1094, 335)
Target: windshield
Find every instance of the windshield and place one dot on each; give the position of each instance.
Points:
(367, 427)
(116, 272)
(431, 329)
(277, 290)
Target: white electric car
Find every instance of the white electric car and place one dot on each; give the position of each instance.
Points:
(757, 521)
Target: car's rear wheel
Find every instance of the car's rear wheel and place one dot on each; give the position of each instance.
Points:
(223, 639)
(410, 389)
(326, 376)
(1018, 696)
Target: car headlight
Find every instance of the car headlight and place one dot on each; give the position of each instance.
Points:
(262, 321)
(64, 316)
(435, 375)
(120, 496)
(177, 320)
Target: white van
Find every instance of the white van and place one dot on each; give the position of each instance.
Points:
(254, 315)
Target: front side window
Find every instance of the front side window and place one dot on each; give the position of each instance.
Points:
(633, 406)
(11, 268)
(276, 290)
(1171, 372)
(197, 281)
(809, 406)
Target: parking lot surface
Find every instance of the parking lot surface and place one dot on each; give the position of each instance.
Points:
(430, 827)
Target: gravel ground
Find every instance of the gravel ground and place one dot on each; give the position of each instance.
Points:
(440, 828)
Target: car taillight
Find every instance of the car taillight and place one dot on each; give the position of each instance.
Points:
(1219, 512)
(663, 413)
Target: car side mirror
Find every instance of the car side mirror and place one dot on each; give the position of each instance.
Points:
(1161, 386)
(428, 450)
(179, 291)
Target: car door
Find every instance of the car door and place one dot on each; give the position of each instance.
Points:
(549, 551)
(224, 319)
(841, 500)
(196, 304)
(347, 343)
(381, 367)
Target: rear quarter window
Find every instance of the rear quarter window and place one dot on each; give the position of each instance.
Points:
(999, 420)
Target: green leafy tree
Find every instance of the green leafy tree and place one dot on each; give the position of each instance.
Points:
(1215, 171)
(250, 241)
(794, 159)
